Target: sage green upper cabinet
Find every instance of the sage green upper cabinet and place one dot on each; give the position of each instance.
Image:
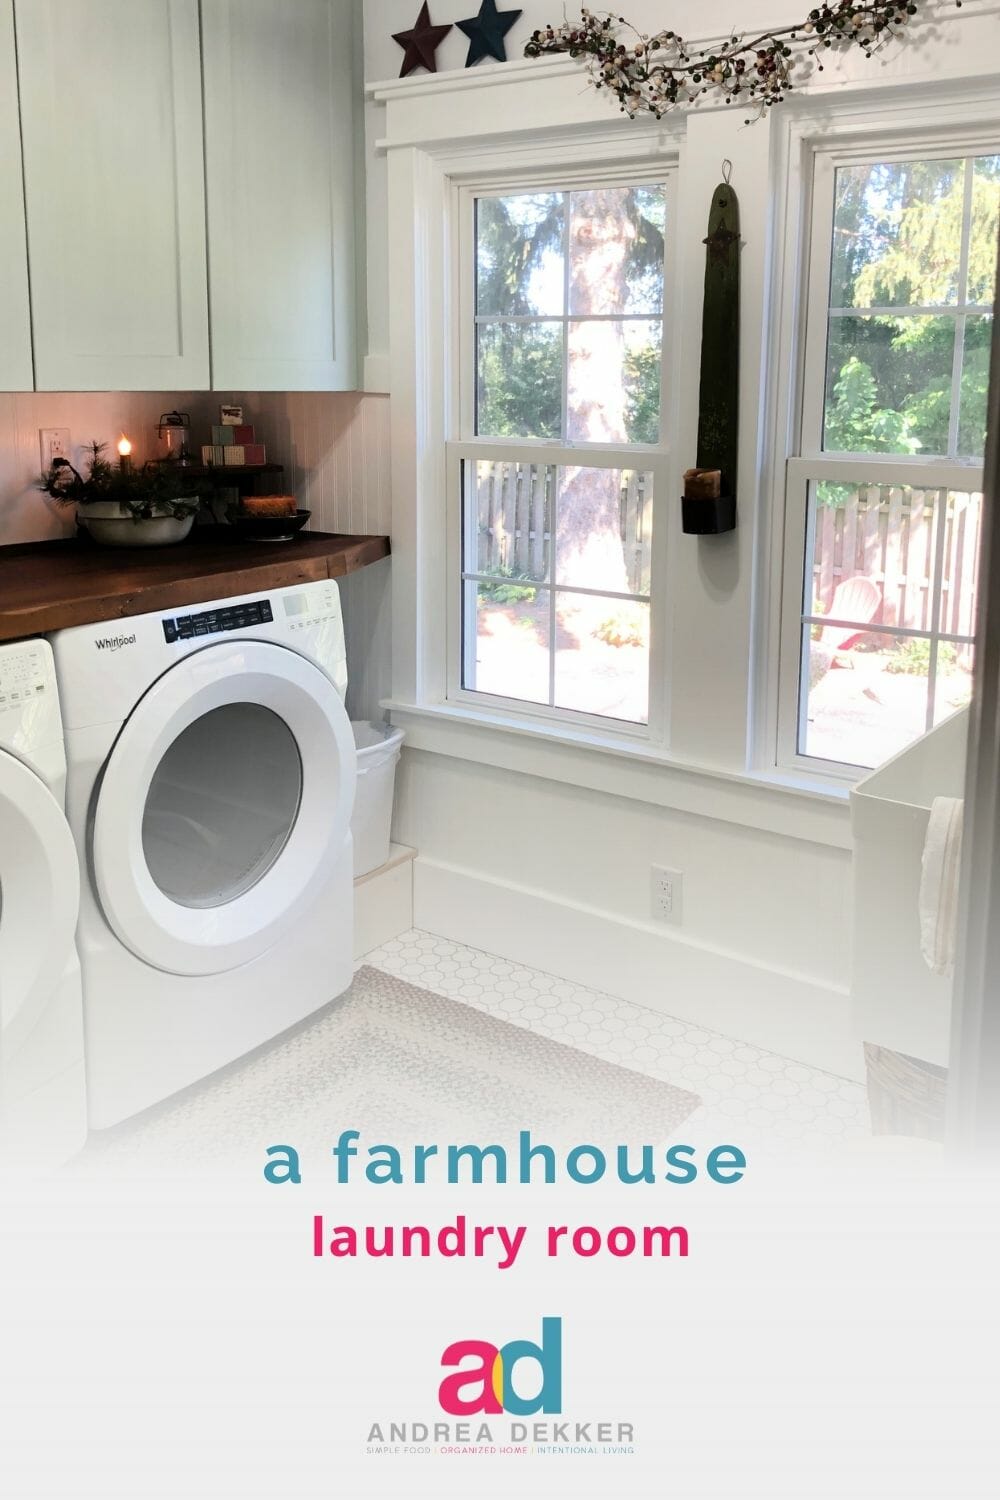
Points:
(279, 152)
(15, 319)
(111, 124)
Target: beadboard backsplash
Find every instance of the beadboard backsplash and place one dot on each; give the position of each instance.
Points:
(335, 449)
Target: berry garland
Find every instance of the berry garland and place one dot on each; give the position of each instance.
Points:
(657, 73)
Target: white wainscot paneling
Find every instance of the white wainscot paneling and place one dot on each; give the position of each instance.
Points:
(114, 188)
(333, 446)
(336, 451)
(27, 515)
(558, 877)
(280, 185)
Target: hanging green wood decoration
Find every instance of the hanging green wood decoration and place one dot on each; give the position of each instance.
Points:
(710, 489)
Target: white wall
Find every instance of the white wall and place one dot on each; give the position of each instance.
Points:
(334, 448)
(558, 874)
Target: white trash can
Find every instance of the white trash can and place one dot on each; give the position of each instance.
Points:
(378, 754)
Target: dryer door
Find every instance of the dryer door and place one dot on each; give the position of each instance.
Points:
(39, 898)
(222, 807)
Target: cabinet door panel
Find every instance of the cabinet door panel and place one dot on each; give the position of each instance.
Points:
(15, 321)
(114, 187)
(279, 136)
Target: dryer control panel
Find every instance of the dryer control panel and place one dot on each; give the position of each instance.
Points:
(29, 704)
(315, 605)
(25, 672)
(215, 621)
(104, 669)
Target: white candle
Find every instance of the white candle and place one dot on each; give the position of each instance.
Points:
(124, 454)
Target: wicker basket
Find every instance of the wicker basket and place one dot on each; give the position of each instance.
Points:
(905, 1096)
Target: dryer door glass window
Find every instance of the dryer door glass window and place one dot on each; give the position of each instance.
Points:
(222, 805)
(224, 808)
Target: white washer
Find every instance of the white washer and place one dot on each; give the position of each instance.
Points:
(211, 773)
(43, 1119)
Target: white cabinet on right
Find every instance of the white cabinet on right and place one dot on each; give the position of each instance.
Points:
(279, 150)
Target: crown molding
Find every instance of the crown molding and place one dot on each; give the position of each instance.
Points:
(458, 80)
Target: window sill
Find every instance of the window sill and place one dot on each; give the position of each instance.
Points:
(784, 803)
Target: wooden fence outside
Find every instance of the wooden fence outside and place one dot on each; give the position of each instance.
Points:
(885, 533)
(889, 534)
(515, 509)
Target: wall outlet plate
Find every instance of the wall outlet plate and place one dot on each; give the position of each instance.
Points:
(53, 442)
(667, 893)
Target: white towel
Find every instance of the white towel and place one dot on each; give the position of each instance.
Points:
(939, 885)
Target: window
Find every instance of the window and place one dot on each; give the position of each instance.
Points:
(883, 502)
(561, 450)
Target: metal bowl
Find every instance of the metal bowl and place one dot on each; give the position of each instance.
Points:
(123, 531)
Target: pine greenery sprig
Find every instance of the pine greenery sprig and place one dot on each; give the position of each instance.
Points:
(153, 490)
(657, 73)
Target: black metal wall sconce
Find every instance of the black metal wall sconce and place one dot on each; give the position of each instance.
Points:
(708, 516)
(709, 504)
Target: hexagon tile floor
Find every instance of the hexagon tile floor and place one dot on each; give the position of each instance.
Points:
(769, 1099)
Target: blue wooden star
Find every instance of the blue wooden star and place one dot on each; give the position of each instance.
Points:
(486, 32)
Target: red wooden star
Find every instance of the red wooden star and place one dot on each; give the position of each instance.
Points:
(421, 43)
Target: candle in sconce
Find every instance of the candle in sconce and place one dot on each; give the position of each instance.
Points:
(124, 454)
(702, 484)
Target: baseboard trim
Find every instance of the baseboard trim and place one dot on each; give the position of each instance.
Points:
(783, 1012)
(383, 901)
(399, 854)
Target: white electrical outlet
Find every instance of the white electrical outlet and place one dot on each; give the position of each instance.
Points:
(53, 443)
(667, 894)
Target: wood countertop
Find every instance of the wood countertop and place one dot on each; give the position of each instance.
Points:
(52, 585)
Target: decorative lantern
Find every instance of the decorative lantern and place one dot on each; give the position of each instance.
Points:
(173, 434)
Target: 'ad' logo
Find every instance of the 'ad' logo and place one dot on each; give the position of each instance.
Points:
(491, 1377)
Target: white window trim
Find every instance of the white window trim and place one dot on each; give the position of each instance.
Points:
(422, 181)
(891, 128)
(425, 187)
(462, 446)
(520, 119)
(801, 473)
(650, 460)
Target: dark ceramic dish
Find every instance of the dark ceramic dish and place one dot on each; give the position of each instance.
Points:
(271, 528)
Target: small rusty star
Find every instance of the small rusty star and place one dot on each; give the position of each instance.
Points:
(718, 243)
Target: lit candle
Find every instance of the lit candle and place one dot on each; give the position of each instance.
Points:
(124, 454)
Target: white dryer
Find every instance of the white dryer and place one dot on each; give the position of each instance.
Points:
(211, 773)
(43, 1119)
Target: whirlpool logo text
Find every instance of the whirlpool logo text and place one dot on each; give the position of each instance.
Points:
(491, 1382)
(114, 642)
